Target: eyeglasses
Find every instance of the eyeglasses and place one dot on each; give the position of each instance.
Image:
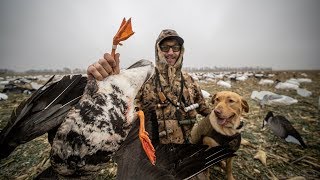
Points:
(165, 48)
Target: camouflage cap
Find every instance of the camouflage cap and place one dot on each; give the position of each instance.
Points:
(169, 34)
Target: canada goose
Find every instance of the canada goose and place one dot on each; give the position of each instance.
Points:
(282, 128)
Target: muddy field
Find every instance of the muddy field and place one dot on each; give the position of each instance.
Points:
(283, 160)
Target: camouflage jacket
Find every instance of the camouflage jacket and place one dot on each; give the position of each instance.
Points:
(169, 81)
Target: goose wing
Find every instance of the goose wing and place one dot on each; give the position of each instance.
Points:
(278, 125)
(42, 112)
(291, 131)
(173, 161)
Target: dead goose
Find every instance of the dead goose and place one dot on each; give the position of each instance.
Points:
(85, 134)
(282, 128)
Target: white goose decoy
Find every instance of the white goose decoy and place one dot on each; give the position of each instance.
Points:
(270, 98)
(286, 85)
(266, 82)
(3, 96)
(224, 84)
(205, 94)
(282, 128)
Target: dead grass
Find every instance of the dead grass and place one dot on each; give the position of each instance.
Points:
(284, 160)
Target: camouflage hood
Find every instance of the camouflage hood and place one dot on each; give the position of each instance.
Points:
(167, 72)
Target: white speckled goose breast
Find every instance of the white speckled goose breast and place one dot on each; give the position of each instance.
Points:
(95, 128)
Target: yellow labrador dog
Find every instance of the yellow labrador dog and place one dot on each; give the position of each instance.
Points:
(222, 126)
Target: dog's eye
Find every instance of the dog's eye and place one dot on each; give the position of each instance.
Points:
(231, 101)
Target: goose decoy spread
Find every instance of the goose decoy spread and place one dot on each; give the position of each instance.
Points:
(282, 128)
(89, 122)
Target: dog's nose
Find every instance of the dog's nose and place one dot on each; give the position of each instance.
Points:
(217, 112)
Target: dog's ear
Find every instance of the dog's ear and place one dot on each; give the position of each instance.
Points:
(245, 105)
(213, 98)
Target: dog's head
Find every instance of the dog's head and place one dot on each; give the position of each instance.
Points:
(228, 107)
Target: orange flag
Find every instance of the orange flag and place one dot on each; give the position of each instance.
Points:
(124, 32)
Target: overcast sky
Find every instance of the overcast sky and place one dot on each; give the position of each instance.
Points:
(52, 34)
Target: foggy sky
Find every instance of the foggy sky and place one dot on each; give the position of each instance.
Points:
(46, 34)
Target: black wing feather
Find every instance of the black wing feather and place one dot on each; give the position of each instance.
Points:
(42, 112)
(21, 111)
(174, 161)
(290, 130)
